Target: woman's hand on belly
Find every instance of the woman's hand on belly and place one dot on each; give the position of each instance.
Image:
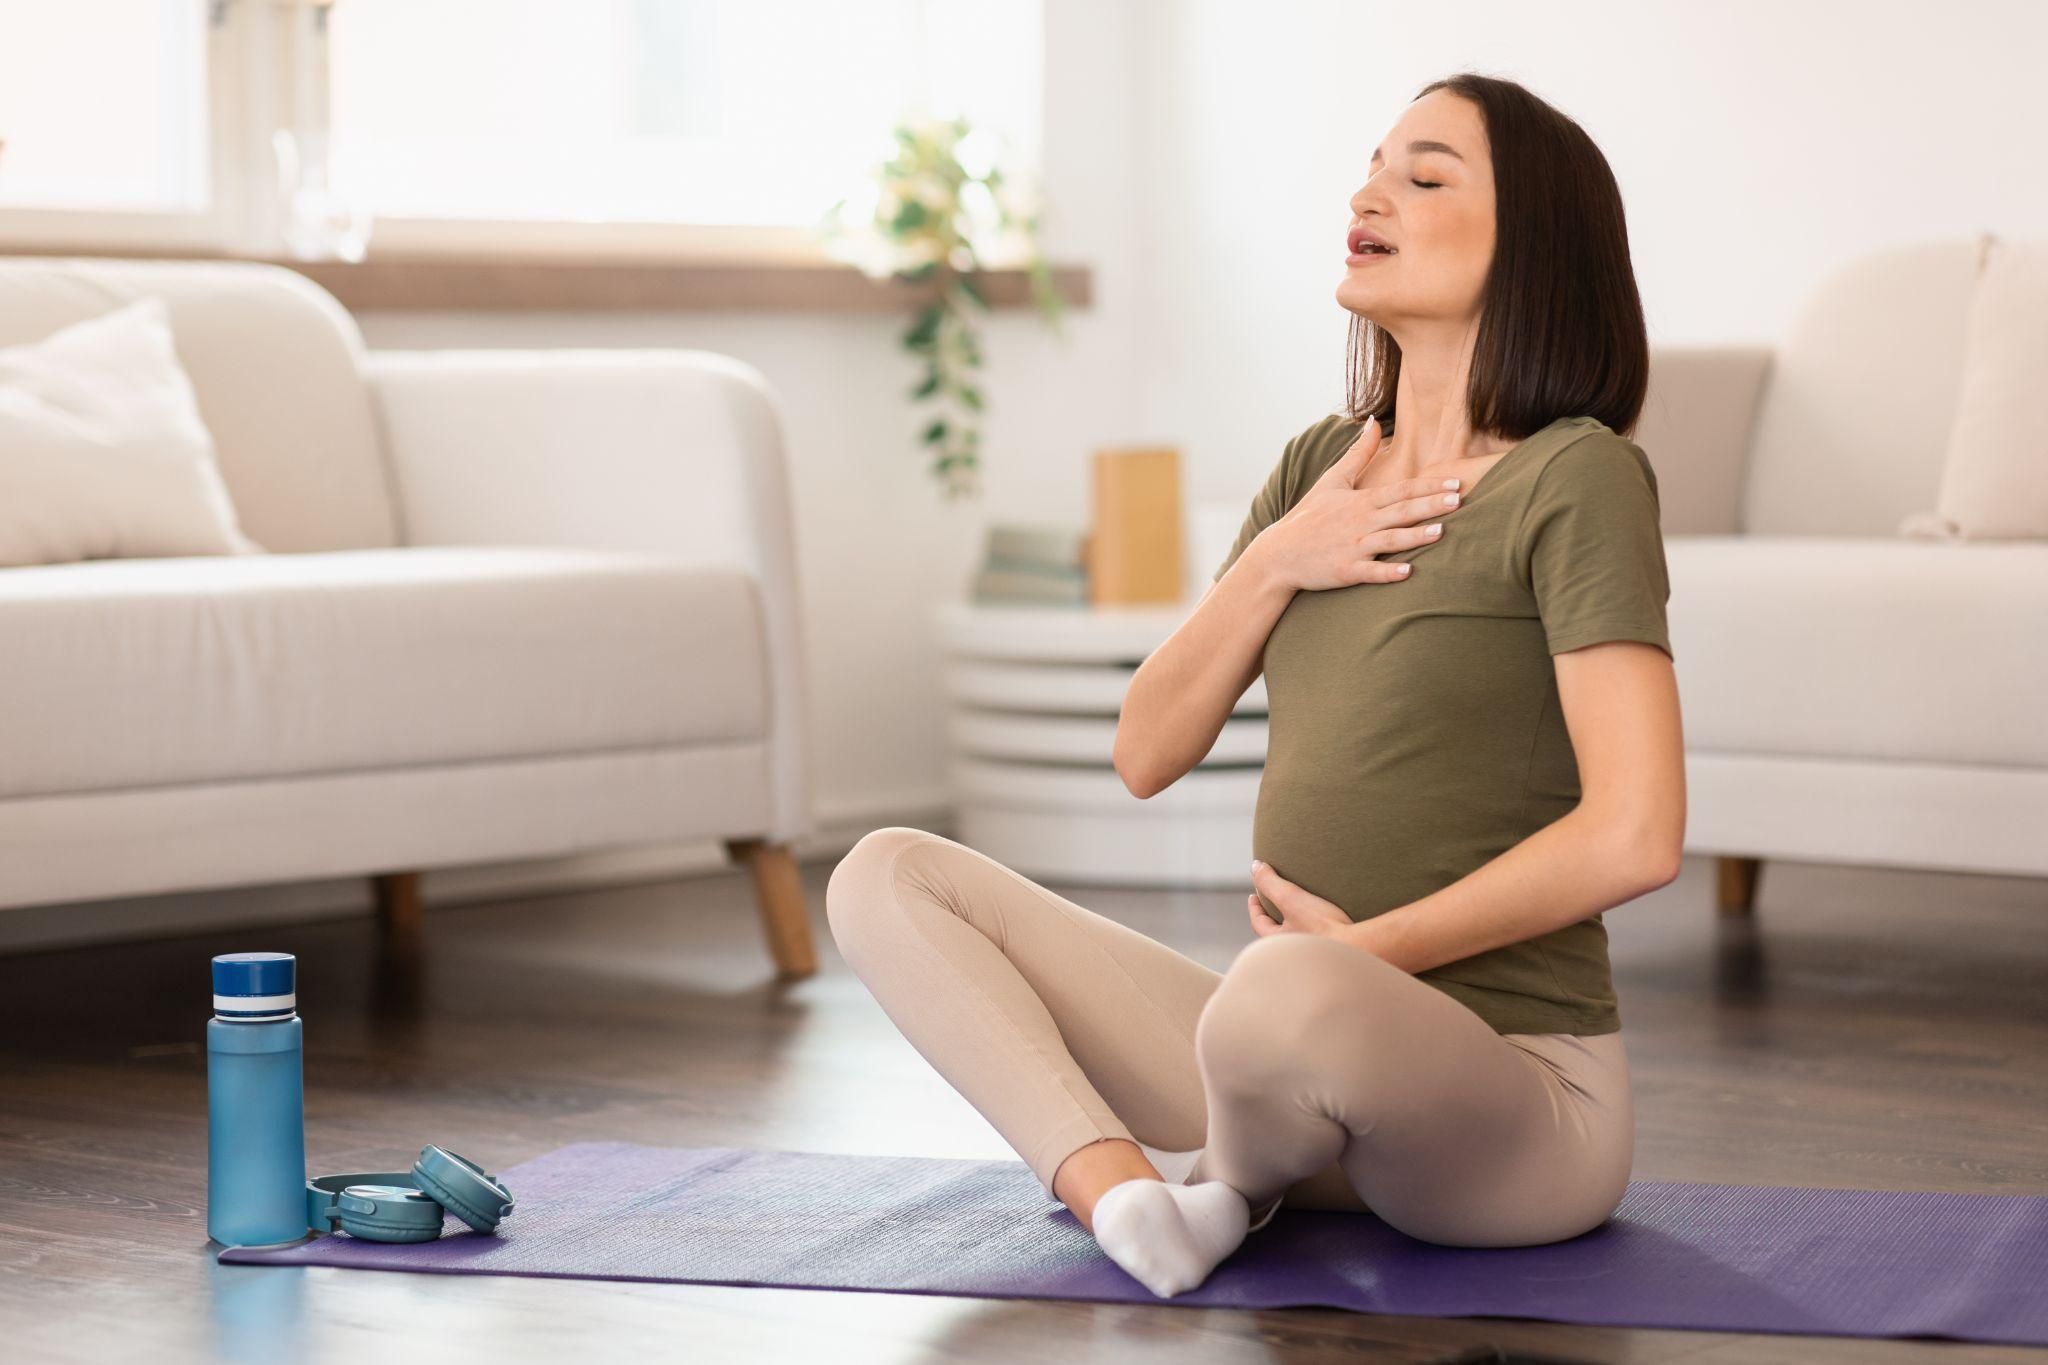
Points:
(1300, 911)
(1333, 536)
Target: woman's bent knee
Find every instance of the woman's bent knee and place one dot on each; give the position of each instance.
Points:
(862, 881)
(1282, 991)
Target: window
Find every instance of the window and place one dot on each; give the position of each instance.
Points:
(98, 124)
(717, 112)
(107, 116)
(485, 122)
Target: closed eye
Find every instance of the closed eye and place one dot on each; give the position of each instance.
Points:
(1427, 184)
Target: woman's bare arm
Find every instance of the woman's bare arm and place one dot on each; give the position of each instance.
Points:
(1182, 694)
(1625, 838)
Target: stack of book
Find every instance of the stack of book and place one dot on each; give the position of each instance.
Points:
(1046, 565)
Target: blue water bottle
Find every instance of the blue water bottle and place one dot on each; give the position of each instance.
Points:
(255, 1103)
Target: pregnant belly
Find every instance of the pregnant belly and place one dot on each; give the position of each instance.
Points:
(1364, 845)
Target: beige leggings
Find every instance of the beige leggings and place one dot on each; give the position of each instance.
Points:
(1311, 1074)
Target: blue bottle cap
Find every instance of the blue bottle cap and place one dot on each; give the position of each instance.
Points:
(254, 987)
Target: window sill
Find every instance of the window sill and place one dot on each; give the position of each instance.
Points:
(449, 281)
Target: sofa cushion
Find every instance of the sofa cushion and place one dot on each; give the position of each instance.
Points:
(1994, 476)
(141, 672)
(1851, 424)
(102, 453)
(1862, 648)
(274, 360)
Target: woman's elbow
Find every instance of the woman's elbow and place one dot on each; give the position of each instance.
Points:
(1139, 779)
(1660, 858)
(1666, 868)
(1142, 760)
(1649, 855)
(1141, 788)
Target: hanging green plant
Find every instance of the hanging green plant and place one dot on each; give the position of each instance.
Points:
(929, 213)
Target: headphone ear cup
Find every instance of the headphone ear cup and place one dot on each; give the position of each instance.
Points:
(387, 1213)
(461, 1186)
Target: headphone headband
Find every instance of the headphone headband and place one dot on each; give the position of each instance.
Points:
(406, 1206)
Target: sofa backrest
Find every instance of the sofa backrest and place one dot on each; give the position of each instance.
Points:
(274, 360)
(1854, 418)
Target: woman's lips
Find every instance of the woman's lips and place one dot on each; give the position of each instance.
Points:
(1358, 257)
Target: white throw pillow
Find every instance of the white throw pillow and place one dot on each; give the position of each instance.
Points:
(1994, 477)
(103, 453)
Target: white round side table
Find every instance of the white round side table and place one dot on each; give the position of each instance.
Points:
(1033, 695)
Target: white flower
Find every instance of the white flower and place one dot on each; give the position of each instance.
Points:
(976, 152)
(1019, 196)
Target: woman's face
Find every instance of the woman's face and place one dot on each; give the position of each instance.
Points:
(1430, 196)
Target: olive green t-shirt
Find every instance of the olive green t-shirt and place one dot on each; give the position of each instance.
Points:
(1414, 730)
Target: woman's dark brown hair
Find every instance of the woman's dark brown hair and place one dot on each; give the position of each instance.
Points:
(1561, 330)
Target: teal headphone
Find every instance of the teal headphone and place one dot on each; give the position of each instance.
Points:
(406, 1206)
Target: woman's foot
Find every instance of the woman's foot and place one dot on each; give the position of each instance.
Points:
(1169, 1237)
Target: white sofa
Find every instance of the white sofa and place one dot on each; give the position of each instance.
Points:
(519, 604)
(1851, 694)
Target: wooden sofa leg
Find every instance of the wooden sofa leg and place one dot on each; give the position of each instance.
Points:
(1735, 886)
(779, 895)
(399, 919)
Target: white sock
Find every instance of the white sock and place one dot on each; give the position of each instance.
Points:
(1178, 1166)
(1169, 1237)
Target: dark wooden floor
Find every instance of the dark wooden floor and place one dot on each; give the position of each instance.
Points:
(1874, 1030)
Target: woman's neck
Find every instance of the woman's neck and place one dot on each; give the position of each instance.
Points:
(1431, 424)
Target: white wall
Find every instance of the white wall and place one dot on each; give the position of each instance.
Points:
(1199, 156)
(1756, 145)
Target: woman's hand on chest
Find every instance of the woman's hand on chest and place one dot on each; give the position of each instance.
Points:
(1333, 536)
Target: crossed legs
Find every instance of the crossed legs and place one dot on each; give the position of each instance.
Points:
(1312, 1073)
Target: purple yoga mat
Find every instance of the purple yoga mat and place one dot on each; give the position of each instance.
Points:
(1727, 1258)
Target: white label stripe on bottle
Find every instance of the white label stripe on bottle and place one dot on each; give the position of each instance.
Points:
(253, 1002)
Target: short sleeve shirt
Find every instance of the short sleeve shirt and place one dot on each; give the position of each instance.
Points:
(1414, 727)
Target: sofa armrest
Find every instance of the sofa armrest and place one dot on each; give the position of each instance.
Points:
(665, 451)
(1698, 421)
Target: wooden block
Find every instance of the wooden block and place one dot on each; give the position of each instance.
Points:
(1134, 542)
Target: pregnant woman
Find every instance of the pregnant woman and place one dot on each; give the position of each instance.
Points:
(1456, 592)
